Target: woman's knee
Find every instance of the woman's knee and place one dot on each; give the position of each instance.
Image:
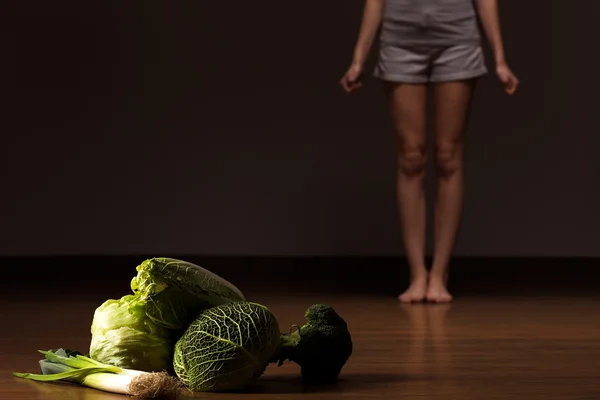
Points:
(448, 157)
(412, 161)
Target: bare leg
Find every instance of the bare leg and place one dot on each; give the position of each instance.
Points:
(452, 105)
(408, 108)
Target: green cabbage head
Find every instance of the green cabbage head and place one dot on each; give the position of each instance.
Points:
(139, 331)
(226, 347)
(124, 336)
(175, 291)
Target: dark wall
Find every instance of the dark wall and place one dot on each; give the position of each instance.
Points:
(218, 127)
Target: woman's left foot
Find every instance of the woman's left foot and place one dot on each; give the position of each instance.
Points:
(437, 291)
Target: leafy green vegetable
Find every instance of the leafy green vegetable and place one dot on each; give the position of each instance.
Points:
(175, 291)
(139, 330)
(321, 346)
(226, 347)
(123, 335)
(69, 366)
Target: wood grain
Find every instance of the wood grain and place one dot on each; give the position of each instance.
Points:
(477, 348)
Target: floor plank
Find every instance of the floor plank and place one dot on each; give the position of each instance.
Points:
(480, 347)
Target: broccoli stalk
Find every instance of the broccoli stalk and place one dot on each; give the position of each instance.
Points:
(321, 347)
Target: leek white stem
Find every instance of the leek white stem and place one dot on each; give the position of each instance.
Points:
(132, 372)
(114, 383)
(134, 383)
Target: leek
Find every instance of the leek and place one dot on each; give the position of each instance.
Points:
(64, 365)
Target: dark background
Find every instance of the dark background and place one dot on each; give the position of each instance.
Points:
(219, 128)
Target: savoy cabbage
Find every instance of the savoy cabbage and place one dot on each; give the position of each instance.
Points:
(226, 347)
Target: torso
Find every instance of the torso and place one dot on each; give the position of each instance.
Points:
(429, 22)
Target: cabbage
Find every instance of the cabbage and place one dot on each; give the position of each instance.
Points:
(139, 330)
(175, 291)
(226, 347)
(122, 335)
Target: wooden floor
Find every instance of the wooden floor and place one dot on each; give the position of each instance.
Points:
(521, 347)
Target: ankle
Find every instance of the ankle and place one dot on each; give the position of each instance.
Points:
(418, 276)
(438, 276)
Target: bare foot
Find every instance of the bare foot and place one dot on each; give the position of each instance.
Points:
(415, 292)
(437, 291)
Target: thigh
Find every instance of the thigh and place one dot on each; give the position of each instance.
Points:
(452, 104)
(408, 109)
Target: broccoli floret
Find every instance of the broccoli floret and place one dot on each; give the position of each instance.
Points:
(321, 346)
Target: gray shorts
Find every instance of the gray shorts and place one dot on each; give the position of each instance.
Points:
(422, 64)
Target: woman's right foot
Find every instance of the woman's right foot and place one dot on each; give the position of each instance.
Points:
(415, 292)
(437, 291)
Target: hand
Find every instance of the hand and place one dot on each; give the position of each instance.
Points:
(507, 78)
(351, 81)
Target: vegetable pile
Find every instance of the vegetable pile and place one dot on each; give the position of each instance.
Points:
(186, 328)
(139, 331)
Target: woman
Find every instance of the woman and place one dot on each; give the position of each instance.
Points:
(429, 43)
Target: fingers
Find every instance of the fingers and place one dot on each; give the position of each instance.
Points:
(350, 85)
(355, 86)
(511, 85)
(345, 85)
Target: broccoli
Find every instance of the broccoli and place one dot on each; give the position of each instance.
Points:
(321, 346)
